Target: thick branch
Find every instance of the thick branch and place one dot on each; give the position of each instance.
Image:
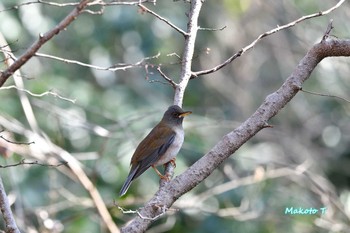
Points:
(41, 41)
(10, 222)
(171, 191)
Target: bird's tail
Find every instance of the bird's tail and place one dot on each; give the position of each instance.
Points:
(128, 181)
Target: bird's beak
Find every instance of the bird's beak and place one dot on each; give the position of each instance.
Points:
(185, 114)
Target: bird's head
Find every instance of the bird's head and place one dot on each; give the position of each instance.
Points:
(175, 115)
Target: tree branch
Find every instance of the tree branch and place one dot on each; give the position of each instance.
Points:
(273, 103)
(11, 226)
(94, 3)
(44, 149)
(169, 80)
(163, 19)
(265, 34)
(186, 64)
(38, 95)
(23, 162)
(44, 145)
(113, 68)
(13, 142)
(43, 38)
(325, 95)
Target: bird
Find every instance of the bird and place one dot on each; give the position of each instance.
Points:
(159, 147)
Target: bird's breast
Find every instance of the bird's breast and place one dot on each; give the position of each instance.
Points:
(173, 149)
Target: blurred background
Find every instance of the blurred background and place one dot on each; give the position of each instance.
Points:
(303, 161)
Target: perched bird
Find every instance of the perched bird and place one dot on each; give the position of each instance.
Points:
(159, 147)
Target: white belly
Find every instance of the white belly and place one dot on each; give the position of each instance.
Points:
(173, 149)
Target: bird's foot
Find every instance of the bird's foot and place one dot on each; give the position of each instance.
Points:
(161, 176)
(165, 177)
(173, 162)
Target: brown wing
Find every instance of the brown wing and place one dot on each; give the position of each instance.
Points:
(151, 148)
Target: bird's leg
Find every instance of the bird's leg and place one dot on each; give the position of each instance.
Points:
(173, 162)
(168, 175)
(163, 177)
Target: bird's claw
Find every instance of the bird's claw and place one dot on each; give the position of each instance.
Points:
(165, 177)
(173, 162)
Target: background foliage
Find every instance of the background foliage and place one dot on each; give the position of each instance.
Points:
(113, 111)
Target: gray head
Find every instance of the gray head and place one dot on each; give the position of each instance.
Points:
(175, 115)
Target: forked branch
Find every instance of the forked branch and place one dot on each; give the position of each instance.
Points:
(273, 103)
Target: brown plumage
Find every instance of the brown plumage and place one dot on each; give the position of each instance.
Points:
(159, 147)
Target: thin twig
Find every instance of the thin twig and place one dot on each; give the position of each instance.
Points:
(17, 143)
(325, 95)
(95, 12)
(113, 68)
(159, 81)
(174, 55)
(169, 80)
(23, 162)
(124, 211)
(38, 95)
(328, 31)
(251, 45)
(94, 3)
(16, 7)
(212, 29)
(163, 19)
(126, 3)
